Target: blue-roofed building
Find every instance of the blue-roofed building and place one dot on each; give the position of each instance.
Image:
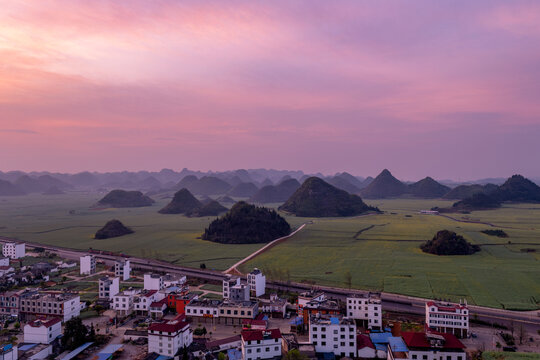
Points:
(234, 354)
(333, 334)
(381, 340)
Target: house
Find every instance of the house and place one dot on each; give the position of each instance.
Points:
(143, 300)
(225, 344)
(239, 293)
(168, 338)
(228, 283)
(14, 250)
(10, 303)
(433, 345)
(123, 301)
(87, 265)
(108, 287)
(365, 347)
(366, 308)
(203, 308)
(332, 334)
(4, 261)
(34, 351)
(122, 269)
(275, 306)
(153, 282)
(9, 352)
(381, 340)
(321, 307)
(256, 282)
(158, 308)
(174, 280)
(254, 324)
(6, 270)
(232, 313)
(179, 302)
(448, 317)
(261, 344)
(39, 303)
(397, 349)
(43, 331)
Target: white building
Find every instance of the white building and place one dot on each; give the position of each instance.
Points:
(174, 280)
(9, 352)
(143, 300)
(36, 303)
(88, 265)
(123, 302)
(4, 261)
(228, 283)
(239, 293)
(275, 306)
(203, 308)
(257, 282)
(122, 269)
(432, 346)
(14, 250)
(333, 334)
(367, 308)
(108, 287)
(153, 282)
(261, 344)
(42, 331)
(448, 317)
(169, 338)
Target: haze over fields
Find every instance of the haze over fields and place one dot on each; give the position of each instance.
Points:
(443, 89)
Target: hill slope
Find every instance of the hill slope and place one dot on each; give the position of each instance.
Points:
(428, 188)
(449, 243)
(276, 193)
(464, 191)
(112, 228)
(8, 189)
(383, 186)
(343, 183)
(182, 202)
(123, 199)
(245, 189)
(211, 208)
(317, 198)
(247, 224)
(518, 189)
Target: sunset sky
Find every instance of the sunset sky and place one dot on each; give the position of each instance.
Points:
(449, 89)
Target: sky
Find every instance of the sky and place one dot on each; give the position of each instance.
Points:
(449, 89)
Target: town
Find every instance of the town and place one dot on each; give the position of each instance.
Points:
(56, 308)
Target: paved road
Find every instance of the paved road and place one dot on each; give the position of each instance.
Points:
(530, 320)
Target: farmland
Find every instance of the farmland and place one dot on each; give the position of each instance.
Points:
(381, 252)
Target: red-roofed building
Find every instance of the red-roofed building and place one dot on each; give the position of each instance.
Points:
(448, 317)
(168, 338)
(261, 344)
(433, 345)
(43, 331)
(365, 347)
(254, 324)
(157, 308)
(179, 302)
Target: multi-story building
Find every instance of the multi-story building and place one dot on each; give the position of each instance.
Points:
(174, 280)
(332, 334)
(233, 312)
(256, 282)
(448, 317)
(87, 265)
(275, 306)
(204, 308)
(9, 352)
(261, 344)
(123, 301)
(108, 287)
(367, 308)
(178, 302)
(153, 282)
(239, 293)
(433, 345)
(169, 338)
(38, 303)
(14, 250)
(319, 307)
(42, 331)
(9, 303)
(4, 261)
(122, 269)
(228, 283)
(143, 300)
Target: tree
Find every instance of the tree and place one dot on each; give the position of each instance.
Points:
(185, 355)
(221, 356)
(17, 325)
(92, 333)
(204, 332)
(294, 354)
(203, 266)
(75, 333)
(348, 279)
(522, 334)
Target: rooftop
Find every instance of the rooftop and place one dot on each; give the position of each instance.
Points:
(170, 326)
(210, 303)
(254, 335)
(432, 339)
(44, 322)
(446, 306)
(330, 320)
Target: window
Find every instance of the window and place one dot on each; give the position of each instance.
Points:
(414, 356)
(323, 343)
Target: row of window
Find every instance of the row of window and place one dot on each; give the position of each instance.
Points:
(323, 336)
(267, 349)
(342, 343)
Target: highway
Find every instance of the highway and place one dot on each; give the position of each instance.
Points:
(530, 320)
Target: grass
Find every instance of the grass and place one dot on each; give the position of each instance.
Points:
(497, 355)
(386, 256)
(212, 287)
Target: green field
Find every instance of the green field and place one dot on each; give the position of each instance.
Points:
(497, 355)
(384, 256)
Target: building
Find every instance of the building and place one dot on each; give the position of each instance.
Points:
(364, 347)
(122, 269)
(381, 340)
(4, 261)
(232, 313)
(275, 306)
(367, 308)
(261, 344)
(228, 283)
(153, 282)
(332, 334)
(87, 265)
(433, 345)
(38, 303)
(9, 352)
(319, 307)
(169, 338)
(9, 303)
(143, 300)
(204, 308)
(158, 308)
(108, 287)
(14, 250)
(43, 331)
(256, 282)
(178, 302)
(174, 280)
(239, 293)
(123, 301)
(448, 317)
(397, 349)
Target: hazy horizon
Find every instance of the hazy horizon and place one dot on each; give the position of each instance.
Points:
(444, 89)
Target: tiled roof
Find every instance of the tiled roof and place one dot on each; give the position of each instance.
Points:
(420, 340)
(364, 341)
(44, 322)
(251, 335)
(169, 327)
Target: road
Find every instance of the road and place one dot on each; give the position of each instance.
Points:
(530, 320)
